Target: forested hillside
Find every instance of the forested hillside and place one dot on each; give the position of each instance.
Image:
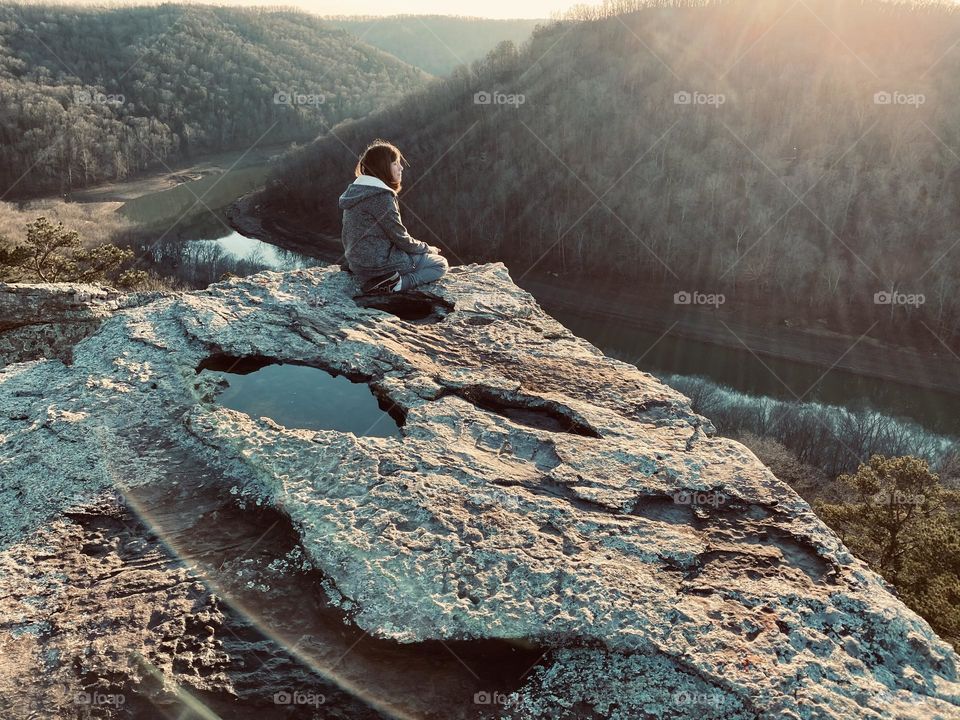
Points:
(799, 157)
(91, 94)
(436, 43)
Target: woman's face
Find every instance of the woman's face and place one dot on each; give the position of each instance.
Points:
(396, 171)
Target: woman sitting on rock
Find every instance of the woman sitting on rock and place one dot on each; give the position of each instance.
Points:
(379, 250)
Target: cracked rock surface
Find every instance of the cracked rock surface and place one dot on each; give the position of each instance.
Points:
(48, 319)
(541, 493)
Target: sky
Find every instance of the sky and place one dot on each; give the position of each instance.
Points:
(487, 8)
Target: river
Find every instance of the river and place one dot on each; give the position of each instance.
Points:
(208, 249)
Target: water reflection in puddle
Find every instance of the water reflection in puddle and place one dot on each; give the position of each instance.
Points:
(298, 396)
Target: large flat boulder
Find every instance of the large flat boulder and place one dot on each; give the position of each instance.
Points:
(541, 492)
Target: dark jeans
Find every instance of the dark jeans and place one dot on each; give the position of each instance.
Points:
(427, 268)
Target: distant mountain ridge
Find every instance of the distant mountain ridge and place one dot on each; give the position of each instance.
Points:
(92, 94)
(436, 43)
(801, 160)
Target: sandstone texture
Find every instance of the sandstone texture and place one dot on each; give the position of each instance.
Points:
(542, 497)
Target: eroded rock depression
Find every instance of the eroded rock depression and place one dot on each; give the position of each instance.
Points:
(557, 522)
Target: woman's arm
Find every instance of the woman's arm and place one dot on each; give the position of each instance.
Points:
(390, 222)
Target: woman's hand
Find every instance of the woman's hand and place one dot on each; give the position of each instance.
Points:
(434, 249)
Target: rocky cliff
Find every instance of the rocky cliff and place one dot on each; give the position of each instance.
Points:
(554, 535)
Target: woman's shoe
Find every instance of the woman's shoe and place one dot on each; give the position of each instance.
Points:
(381, 283)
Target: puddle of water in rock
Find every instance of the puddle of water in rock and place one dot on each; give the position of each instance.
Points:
(298, 396)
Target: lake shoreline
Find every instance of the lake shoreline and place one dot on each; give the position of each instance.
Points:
(828, 350)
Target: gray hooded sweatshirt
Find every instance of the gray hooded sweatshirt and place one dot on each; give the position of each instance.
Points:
(374, 239)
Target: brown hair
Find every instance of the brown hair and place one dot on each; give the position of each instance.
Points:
(376, 159)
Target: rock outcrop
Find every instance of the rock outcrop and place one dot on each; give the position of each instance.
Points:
(48, 319)
(561, 523)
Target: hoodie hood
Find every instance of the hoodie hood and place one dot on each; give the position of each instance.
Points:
(363, 187)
